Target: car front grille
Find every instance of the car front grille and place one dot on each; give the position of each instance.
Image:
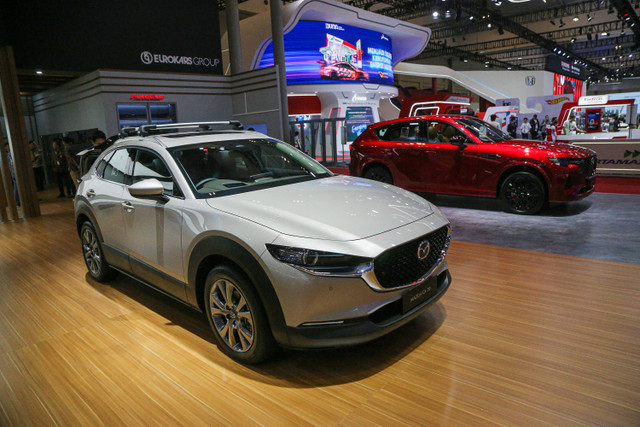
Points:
(588, 166)
(400, 266)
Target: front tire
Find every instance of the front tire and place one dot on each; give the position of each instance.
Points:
(523, 193)
(93, 255)
(378, 173)
(237, 317)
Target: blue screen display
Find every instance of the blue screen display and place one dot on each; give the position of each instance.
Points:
(323, 52)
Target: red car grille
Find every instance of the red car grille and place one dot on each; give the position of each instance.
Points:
(400, 266)
(588, 167)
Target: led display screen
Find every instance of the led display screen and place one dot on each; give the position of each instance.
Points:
(357, 120)
(566, 85)
(322, 52)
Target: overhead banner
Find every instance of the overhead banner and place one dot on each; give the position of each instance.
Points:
(88, 35)
(325, 52)
(560, 65)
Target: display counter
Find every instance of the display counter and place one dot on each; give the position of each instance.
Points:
(615, 157)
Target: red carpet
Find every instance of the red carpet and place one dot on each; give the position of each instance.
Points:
(604, 184)
(618, 184)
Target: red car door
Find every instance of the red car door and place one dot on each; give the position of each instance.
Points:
(459, 169)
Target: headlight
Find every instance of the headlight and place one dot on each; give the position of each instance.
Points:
(565, 161)
(321, 263)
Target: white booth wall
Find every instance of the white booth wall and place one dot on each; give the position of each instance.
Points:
(91, 100)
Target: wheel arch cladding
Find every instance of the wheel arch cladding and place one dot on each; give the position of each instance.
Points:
(217, 250)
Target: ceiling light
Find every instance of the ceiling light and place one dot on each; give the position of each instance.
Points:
(435, 14)
(604, 59)
(465, 60)
(39, 72)
(489, 25)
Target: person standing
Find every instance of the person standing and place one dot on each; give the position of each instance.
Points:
(37, 164)
(551, 130)
(60, 169)
(494, 122)
(525, 128)
(512, 127)
(570, 127)
(543, 127)
(535, 126)
(72, 165)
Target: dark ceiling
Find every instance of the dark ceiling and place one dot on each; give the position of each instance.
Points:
(604, 36)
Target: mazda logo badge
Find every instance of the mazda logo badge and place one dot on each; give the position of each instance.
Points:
(423, 249)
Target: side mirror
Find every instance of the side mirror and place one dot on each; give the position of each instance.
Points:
(459, 140)
(148, 188)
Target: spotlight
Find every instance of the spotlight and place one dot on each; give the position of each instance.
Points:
(562, 24)
(39, 72)
(576, 18)
(500, 31)
(435, 14)
(573, 40)
(489, 25)
(604, 34)
(552, 22)
(589, 18)
(447, 14)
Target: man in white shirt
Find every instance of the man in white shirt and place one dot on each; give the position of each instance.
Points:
(525, 128)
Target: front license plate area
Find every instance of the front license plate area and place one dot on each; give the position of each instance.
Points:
(416, 296)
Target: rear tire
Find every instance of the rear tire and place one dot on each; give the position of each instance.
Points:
(523, 193)
(93, 255)
(237, 316)
(378, 173)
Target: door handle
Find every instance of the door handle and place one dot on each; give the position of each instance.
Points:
(91, 193)
(128, 207)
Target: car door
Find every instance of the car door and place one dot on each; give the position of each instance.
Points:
(457, 164)
(104, 192)
(406, 148)
(153, 226)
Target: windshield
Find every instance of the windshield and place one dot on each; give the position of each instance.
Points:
(226, 167)
(483, 131)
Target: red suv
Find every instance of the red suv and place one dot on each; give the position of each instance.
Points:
(464, 155)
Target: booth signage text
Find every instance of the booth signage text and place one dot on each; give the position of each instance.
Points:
(593, 100)
(146, 97)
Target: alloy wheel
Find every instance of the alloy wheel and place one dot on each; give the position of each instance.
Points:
(91, 251)
(232, 315)
(523, 193)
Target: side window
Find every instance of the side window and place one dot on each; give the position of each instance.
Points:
(116, 169)
(441, 132)
(102, 165)
(402, 132)
(150, 165)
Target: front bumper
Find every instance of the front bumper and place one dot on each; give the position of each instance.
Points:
(360, 330)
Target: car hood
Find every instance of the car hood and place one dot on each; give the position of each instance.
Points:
(555, 148)
(336, 208)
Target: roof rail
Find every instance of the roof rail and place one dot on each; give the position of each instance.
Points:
(148, 129)
(128, 131)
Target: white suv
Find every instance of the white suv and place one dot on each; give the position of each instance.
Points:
(271, 245)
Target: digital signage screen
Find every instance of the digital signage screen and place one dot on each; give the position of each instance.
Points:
(323, 52)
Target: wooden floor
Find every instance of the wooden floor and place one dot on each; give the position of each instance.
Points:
(521, 338)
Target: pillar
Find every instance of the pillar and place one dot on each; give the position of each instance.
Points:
(17, 133)
(278, 57)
